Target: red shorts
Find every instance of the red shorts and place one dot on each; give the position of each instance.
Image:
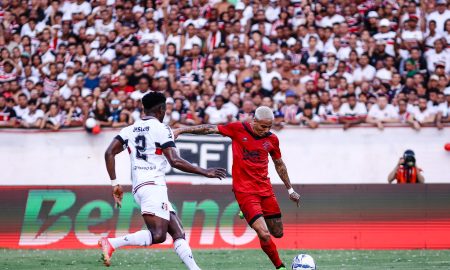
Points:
(254, 206)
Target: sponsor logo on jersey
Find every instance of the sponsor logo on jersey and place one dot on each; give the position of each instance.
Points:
(252, 155)
(146, 168)
(141, 129)
(266, 145)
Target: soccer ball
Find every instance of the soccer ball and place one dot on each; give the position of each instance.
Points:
(303, 262)
(91, 126)
(90, 123)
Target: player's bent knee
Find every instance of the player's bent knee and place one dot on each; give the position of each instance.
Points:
(158, 237)
(263, 235)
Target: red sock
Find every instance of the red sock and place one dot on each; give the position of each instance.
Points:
(271, 250)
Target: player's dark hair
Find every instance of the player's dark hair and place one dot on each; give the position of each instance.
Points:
(153, 100)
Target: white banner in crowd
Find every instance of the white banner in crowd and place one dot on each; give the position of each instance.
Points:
(325, 155)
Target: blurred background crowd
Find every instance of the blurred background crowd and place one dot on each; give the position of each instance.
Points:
(314, 62)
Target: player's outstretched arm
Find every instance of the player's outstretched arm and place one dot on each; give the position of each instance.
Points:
(113, 149)
(181, 164)
(199, 130)
(282, 172)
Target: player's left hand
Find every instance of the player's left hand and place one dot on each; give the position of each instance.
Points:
(117, 195)
(176, 133)
(295, 197)
(216, 173)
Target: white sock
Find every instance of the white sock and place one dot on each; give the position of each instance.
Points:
(139, 238)
(185, 253)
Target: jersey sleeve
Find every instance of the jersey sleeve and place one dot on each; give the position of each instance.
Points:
(123, 136)
(229, 130)
(164, 137)
(275, 153)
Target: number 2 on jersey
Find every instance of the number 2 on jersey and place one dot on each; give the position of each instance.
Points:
(140, 147)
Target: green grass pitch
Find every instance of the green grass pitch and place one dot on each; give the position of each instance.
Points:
(223, 259)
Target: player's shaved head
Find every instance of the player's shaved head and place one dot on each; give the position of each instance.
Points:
(264, 113)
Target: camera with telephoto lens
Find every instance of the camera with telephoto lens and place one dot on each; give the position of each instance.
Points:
(409, 159)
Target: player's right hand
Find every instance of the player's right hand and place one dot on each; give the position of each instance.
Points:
(117, 195)
(295, 197)
(216, 173)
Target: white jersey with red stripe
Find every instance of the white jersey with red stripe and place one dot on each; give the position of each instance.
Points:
(145, 140)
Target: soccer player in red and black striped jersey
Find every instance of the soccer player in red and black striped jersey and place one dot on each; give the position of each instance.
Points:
(252, 143)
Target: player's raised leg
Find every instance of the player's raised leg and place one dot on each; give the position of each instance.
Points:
(265, 240)
(156, 233)
(180, 244)
(254, 207)
(109, 245)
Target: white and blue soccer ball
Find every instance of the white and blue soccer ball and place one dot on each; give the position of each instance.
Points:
(303, 262)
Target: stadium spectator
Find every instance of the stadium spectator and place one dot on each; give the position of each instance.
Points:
(102, 113)
(422, 114)
(123, 120)
(53, 119)
(352, 112)
(72, 114)
(308, 118)
(381, 113)
(7, 114)
(404, 116)
(217, 114)
(245, 51)
(33, 117)
(331, 115)
(291, 108)
(143, 88)
(247, 112)
(21, 108)
(443, 114)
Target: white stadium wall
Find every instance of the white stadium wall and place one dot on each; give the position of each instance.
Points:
(322, 156)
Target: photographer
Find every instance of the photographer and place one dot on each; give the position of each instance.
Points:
(406, 171)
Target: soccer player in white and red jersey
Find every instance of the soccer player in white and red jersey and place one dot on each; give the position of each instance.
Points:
(252, 143)
(152, 148)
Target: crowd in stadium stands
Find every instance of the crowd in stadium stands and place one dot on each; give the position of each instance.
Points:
(314, 62)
